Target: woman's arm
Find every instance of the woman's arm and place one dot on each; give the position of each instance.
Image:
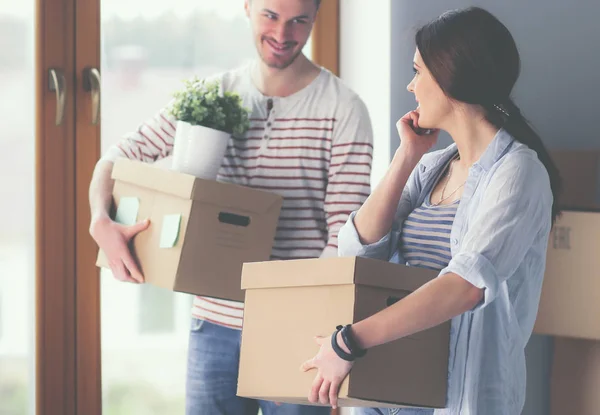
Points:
(432, 304)
(374, 219)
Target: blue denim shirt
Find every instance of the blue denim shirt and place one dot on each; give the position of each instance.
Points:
(498, 242)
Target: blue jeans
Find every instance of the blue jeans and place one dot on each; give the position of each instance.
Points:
(211, 385)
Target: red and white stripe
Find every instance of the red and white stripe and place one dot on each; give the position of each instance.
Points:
(319, 160)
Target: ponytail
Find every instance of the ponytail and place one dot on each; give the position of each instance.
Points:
(509, 117)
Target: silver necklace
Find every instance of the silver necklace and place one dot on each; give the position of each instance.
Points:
(442, 198)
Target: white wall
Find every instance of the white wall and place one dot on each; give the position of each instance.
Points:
(365, 56)
(365, 66)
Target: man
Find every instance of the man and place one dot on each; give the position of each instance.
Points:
(310, 140)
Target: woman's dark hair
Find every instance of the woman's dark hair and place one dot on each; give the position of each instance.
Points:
(474, 59)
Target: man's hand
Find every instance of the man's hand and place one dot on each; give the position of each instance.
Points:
(113, 239)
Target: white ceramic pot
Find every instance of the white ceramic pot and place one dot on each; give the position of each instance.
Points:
(199, 150)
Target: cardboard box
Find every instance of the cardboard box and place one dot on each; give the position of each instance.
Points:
(201, 231)
(569, 303)
(580, 172)
(289, 302)
(575, 378)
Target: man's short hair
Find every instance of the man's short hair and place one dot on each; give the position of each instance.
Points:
(317, 2)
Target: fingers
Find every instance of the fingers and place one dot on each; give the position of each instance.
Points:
(414, 116)
(320, 340)
(132, 271)
(313, 396)
(130, 231)
(334, 390)
(312, 364)
(132, 268)
(324, 392)
(407, 117)
(408, 124)
(405, 121)
(308, 365)
(120, 272)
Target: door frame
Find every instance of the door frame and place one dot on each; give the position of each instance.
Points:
(326, 36)
(87, 153)
(55, 378)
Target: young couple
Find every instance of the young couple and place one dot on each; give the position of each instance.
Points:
(479, 211)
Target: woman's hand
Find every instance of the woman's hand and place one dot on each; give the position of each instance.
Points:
(331, 372)
(412, 143)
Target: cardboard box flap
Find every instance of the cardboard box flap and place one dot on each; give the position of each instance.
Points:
(298, 273)
(189, 187)
(153, 177)
(333, 271)
(235, 196)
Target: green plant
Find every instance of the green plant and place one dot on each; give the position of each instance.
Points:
(201, 103)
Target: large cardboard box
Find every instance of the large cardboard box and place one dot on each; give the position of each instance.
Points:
(201, 231)
(580, 172)
(575, 381)
(569, 304)
(289, 302)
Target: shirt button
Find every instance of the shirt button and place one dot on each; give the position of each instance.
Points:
(266, 137)
(455, 241)
(268, 124)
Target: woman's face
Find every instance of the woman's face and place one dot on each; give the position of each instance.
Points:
(434, 107)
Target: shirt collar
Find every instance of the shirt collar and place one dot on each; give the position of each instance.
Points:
(282, 104)
(494, 151)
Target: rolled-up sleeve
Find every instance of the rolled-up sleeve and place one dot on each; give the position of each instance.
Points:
(515, 208)
(349, 243)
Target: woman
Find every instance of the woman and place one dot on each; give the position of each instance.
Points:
(479, 211)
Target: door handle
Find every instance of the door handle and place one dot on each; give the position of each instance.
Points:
(91, 83)
(57, 84)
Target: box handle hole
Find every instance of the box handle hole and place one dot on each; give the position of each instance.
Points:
(233, 219)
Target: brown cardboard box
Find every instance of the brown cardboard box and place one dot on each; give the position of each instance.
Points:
(580, 172)
(575, 378)
(569, 303)
(201, 231)
(289, 302)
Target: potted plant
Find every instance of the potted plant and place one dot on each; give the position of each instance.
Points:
(206, 119)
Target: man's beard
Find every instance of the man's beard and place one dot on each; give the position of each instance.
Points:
(280, 65)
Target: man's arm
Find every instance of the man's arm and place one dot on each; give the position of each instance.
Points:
(349, 182)
(152, 140)
(100, 192)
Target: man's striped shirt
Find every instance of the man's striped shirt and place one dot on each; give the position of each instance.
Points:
(314, 148)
